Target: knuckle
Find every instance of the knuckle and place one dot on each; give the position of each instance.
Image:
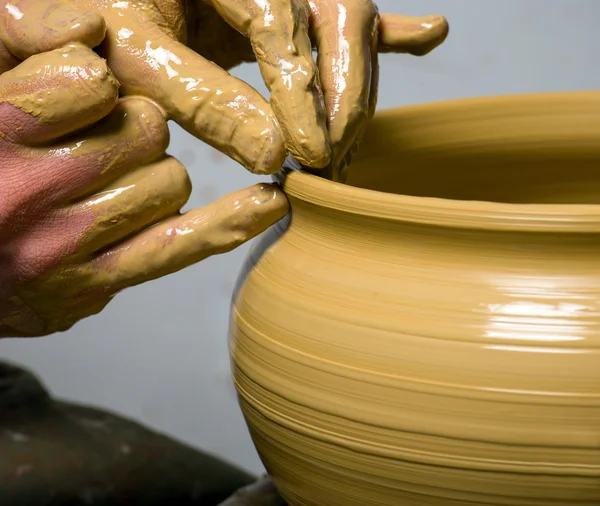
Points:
(147, 123)
(95, 77)
(174, 187)
(179, 176)
(83, 63)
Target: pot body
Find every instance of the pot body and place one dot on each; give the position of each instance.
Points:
(394, 349)
(386, 363)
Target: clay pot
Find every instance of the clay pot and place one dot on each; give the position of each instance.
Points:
(429, 333)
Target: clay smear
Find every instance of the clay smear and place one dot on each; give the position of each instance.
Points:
(203, 98)
(279, 35)
(106, 214)
(317, 112)
(54, 88)
(29, 27)
(349, 35)
(183, 240)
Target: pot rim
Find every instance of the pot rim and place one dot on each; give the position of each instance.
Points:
(444, 212)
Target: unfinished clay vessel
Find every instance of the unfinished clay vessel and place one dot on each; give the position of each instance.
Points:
(429, 333)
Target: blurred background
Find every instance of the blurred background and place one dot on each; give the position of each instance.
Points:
(158, 352)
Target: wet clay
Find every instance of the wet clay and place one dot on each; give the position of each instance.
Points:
(279, 34)
(547, 156)
(143, 49)
(349, 35)
(63, 234)
(203, 98)
(84, 282)
(60, 99)
(345, 35)
(317, 112)
(416, 35)
(438, 345)
(29, 27)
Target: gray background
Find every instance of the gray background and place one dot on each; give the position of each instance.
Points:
(159, 352)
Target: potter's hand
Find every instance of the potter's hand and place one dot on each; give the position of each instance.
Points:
(347, 34)
(145, 49)
(89, 202)
(55, 28)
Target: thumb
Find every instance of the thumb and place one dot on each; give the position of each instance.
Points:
(416, 35)
(29, 27)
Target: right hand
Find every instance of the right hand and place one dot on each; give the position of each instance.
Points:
(166, 50)
(89, 202)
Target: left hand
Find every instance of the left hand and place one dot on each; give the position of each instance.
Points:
(89, 201)
(163, 50)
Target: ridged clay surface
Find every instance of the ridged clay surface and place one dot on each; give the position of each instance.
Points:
(429, 334)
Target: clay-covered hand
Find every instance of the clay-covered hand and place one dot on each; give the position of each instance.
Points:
(164, 49)
(89, 201)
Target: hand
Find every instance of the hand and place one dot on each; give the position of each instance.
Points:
(317, 111)
(89, 202)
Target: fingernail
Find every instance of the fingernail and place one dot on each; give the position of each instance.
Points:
(271, 204)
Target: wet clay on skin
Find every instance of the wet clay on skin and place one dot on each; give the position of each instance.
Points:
(285, 59)
(349, 35)
(106, 179)
(319, 120)
(143, 52)
(343, 83)
(440, 344)
(58, 100)
(232, 116)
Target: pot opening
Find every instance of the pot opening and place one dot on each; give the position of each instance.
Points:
(537, 149)
(515, 162)
(493, 177)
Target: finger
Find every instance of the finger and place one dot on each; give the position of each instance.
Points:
(374, 89)
(342, 169)
(187, 239)
(29, 27)
(345, 62)
(133, 134)
(133, 202)
(416, 35)
(74, 232)
(278, 32)
(204, 99)
(55, 93)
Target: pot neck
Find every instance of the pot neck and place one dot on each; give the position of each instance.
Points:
(394, 240)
